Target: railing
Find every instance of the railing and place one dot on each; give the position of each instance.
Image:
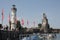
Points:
(12, 35)
(9, 35)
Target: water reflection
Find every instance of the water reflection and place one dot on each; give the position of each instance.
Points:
(40, 37)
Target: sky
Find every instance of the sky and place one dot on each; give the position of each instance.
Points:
(32, 10)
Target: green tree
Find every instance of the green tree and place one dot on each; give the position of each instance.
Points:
(18, 25)
(39, 25)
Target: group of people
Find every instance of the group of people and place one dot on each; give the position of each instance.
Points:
(4, 27)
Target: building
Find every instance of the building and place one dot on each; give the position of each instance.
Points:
(13, 18)
(45, 24)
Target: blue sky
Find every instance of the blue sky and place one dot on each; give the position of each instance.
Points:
(32, 10)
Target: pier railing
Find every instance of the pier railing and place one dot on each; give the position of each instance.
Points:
(9, 35)
(12, 35)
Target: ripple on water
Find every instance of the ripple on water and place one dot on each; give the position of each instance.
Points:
(36, 37)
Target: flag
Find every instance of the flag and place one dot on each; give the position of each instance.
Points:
(2, 14)
(22, 22)
(27, 22)
(34, 23)
(9, 18)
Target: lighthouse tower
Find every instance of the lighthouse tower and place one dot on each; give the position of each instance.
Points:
(13, 18)
(45, 24)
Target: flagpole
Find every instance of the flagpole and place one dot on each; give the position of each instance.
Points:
(34, 23)
(27, 23)
(2, 22)
(2, 16)
(22, 22)
(9, 21)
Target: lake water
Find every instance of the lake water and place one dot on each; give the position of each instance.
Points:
(38, 37)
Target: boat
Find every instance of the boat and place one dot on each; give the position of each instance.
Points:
(49, 36)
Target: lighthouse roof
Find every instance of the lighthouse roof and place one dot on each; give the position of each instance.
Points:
(14, 8)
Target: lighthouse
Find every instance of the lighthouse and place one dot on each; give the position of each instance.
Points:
(45, 24)
(13, 17)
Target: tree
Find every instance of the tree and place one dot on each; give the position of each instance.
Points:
(18, 25)
(1, 26)
(48, 26)
(10, 24)
(39, 25)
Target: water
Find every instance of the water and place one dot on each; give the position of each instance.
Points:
(38, 37)
(58, 37)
